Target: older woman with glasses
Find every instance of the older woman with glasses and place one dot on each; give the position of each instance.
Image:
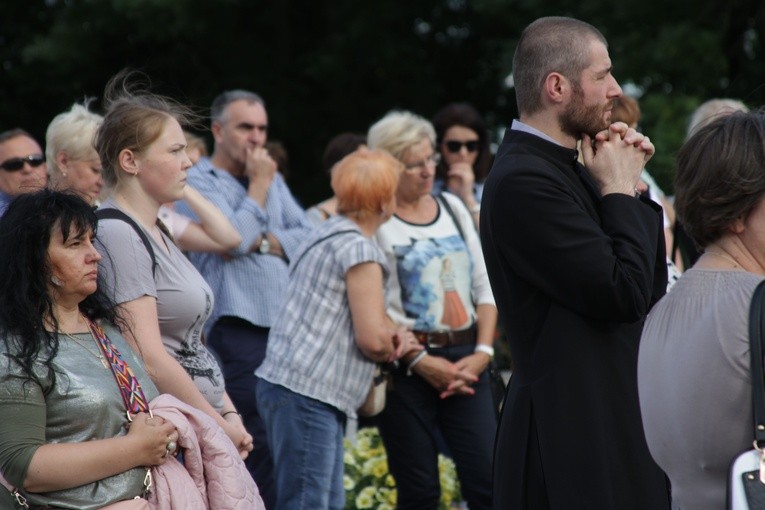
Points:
(22, 166)
(463, 142)
(440, 290)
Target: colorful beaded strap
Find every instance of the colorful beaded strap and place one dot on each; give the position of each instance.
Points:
(132, 394)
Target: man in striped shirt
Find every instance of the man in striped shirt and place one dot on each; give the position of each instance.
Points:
(241, 179)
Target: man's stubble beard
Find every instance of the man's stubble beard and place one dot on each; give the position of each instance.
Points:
(579, 118)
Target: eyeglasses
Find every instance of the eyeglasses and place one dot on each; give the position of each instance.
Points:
(433, 159)
(455, 146)
(16, 164)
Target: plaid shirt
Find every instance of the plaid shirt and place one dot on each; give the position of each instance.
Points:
(248, 285)
(311, 347)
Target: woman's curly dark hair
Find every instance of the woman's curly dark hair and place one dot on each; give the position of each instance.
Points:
(27, 321)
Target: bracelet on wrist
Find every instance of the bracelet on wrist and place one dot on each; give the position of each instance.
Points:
(486, 349)
(415, 360)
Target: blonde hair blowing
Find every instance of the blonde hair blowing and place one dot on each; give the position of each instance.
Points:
(364, 181)
(398, 131)
(72, 132)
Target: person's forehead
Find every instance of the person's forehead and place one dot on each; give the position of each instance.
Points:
(599, 58)
(19, 146)
(243, 110)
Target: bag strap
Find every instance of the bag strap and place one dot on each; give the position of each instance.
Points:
(756, 338)
(20, 499)
(111, 213)
(132, 394)
(448, 208)
(321, 240)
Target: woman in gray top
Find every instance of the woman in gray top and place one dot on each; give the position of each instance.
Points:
(693, 366)
(143, 152)
(64, 435)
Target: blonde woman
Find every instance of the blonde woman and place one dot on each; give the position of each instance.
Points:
(445, 387)
(166, 300)
(73, 162)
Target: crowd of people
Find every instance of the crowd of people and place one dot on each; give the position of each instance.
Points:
(175, 319)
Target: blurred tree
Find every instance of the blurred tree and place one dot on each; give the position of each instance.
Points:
(329, 66)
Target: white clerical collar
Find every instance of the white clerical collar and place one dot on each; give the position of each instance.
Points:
(520, 126)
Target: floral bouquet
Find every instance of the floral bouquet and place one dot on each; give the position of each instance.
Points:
(368, 484)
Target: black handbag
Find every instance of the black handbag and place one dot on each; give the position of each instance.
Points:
(746, 483)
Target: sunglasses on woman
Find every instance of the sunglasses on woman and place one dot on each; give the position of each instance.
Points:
(16, 164)
(455, 146)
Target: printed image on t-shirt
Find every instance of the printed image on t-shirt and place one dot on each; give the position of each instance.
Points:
(434, 275)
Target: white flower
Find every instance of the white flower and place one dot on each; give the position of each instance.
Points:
(365, 499)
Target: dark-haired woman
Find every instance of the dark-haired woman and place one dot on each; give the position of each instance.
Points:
(463, 142)
(64, 436)
(693, 373)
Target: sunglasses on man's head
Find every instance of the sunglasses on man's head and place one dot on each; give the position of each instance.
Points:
(16, 164)
(455, 146)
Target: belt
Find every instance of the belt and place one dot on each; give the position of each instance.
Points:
(447, 338)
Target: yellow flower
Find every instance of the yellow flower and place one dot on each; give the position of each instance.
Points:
(385, 506)
(376, 466)
(348, 483)
(390, 481)
(365, 499)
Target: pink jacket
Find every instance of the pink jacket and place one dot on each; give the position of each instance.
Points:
(212, 477)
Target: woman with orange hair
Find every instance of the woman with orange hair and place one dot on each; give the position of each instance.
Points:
(332, 329)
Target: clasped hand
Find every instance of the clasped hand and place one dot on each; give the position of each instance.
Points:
(616, 157)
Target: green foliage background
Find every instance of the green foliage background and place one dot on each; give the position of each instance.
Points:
(330, 66)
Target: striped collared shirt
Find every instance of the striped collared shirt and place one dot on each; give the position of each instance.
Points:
(247, 284)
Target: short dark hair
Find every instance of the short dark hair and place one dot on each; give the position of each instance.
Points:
(720, 175)
(13, 133)
(552, 44)
(463, 114)
(26, 308)
(340, 146)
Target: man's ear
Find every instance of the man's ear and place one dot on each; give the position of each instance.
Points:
(216, 128)
(556, 88)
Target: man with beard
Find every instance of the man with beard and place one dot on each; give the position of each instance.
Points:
(575, 260)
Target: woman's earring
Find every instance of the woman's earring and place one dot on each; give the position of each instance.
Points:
(56, 281)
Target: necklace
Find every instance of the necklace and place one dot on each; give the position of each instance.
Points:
(724, 256)
(100, 355)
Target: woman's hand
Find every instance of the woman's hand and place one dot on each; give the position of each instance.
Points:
(460, 180)
(404, 342)
(238, 434)
(446, 376)
(474, 363)
(152, 436)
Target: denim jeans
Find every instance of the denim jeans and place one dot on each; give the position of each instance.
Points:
(305, 437)
(241, 347)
